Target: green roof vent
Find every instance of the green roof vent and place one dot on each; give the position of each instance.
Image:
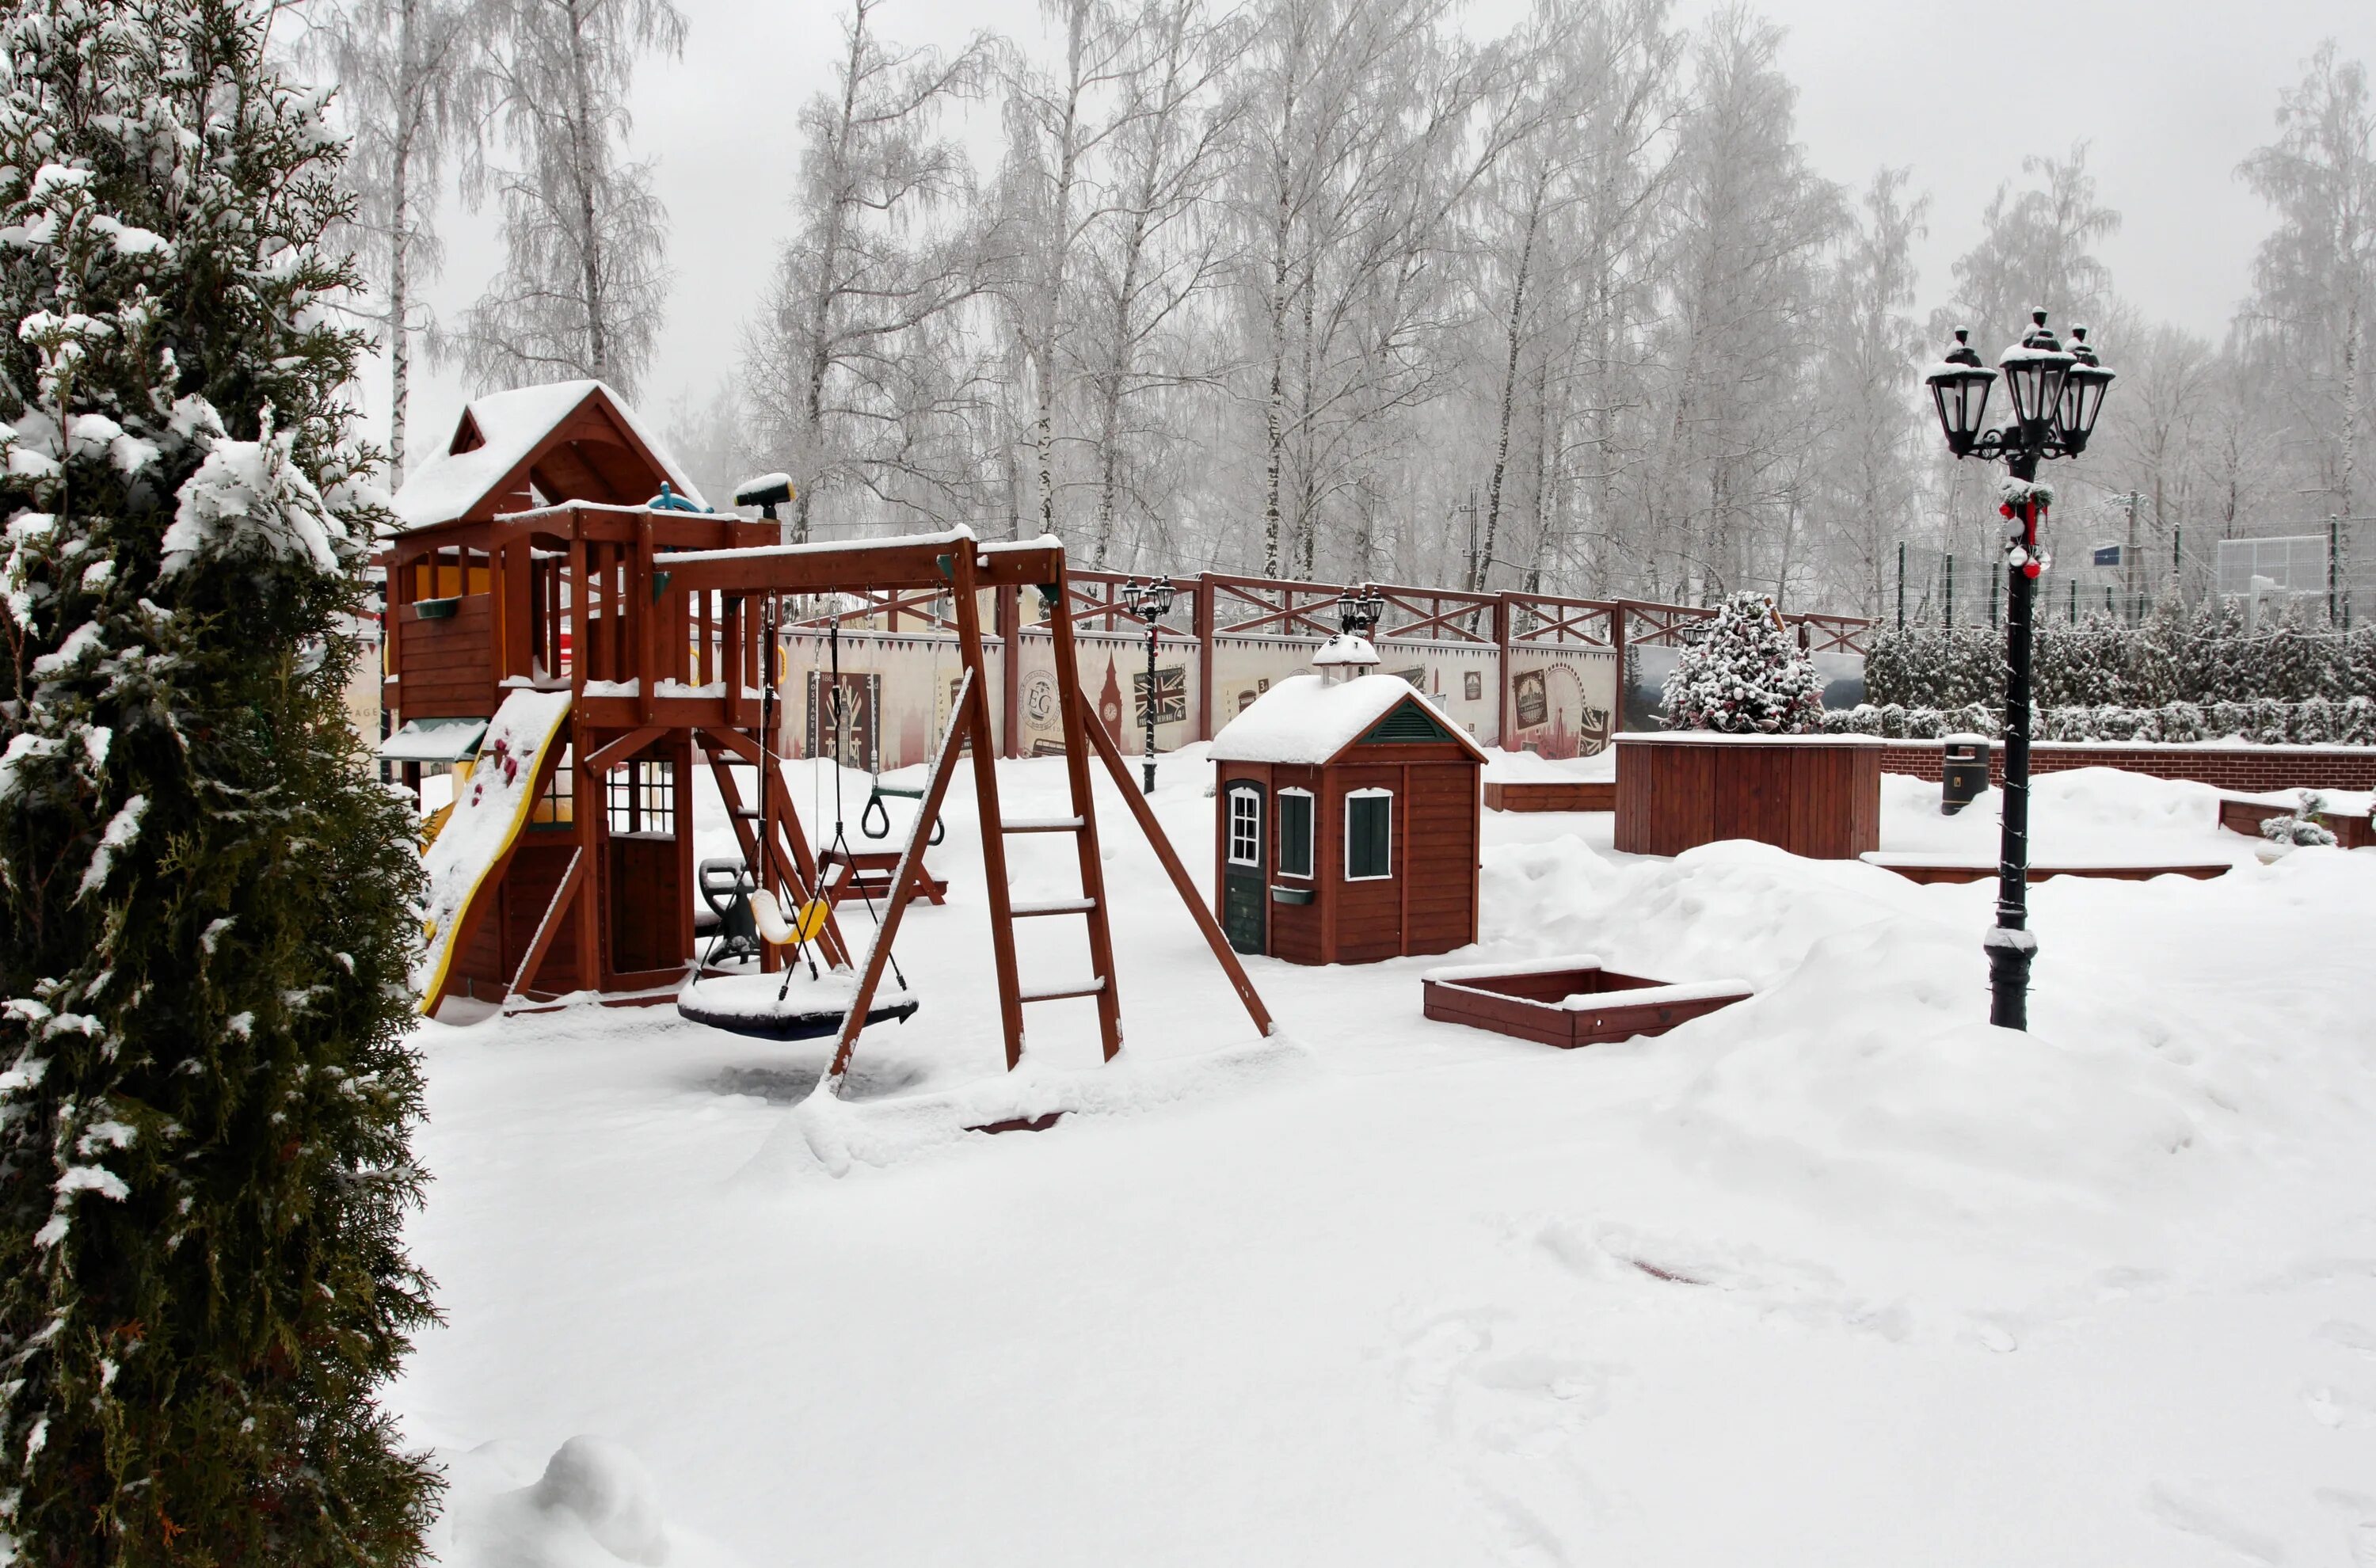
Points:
(1407, 723)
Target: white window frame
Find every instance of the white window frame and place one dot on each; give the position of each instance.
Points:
(1371, 794)
(1252, 794)
(1311, 842)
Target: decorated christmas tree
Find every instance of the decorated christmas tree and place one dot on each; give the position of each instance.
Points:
(206, 901)
(1744, 675)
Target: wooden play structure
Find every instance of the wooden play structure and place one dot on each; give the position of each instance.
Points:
(1348, 825)
(653, 626)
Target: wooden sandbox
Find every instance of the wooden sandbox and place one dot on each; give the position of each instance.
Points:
(1569, 1002)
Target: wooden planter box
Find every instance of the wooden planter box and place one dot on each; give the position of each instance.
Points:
(1813, 795)
(1569, 1002)
(1581, 795)
(2353, 832)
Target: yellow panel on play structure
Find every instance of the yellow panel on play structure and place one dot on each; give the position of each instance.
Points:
(488, 812)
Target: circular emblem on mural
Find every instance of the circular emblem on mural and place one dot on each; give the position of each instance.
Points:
(1040, 699)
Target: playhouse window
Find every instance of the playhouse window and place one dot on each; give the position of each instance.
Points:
(1295, 832)
(643, 797)
(555, 807)
(1245, 827)
(1369, 835)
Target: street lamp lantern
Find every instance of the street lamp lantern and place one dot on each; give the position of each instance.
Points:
(1359, 609)
(2082, 393)
(1149, 602)
(1960, 388)
(2056, 393)
(2034, 372)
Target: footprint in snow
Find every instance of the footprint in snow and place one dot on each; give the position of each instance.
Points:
(1802, 1292)
(2350, 1335)
(2195, 1516)
(1508, 1404)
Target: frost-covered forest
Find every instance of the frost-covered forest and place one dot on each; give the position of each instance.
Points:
(1318, 288)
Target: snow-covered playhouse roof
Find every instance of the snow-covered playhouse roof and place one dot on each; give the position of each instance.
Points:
(1309, 721)
(564, 440)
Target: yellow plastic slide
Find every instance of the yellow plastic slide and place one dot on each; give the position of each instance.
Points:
(489, 810)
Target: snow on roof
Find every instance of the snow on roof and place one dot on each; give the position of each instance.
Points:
(1345, 648)
(510, 425)
(1304, 722)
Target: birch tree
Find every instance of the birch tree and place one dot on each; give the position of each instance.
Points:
(1869, 421)
(1155, 254)
(585, 282)
(410, 86)
(1751, 221)
(2314, 279)
(886, 250)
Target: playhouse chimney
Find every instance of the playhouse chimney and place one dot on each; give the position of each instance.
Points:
(1345, 657)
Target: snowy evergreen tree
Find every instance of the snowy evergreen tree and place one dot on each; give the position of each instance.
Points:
(1745, 675)
(205, 902)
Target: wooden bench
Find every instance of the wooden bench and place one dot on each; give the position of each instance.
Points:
(1926, 869)
(867, 874)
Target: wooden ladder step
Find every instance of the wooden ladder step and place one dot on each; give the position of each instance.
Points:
(1069, 989)
(1054, 906)
(1042, 825)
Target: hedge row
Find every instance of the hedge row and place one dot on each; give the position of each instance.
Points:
(2203, 657)
(2317, 722)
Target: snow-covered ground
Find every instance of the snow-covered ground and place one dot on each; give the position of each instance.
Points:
(1836, 1275)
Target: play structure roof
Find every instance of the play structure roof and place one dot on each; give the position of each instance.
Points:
(564, 441)
(1305, 722)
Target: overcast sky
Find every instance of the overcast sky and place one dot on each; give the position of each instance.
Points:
(2170, 93)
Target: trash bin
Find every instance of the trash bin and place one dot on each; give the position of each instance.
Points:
(1965, 773)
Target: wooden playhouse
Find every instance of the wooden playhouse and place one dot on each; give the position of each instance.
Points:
(1349, 818)
(515, 568)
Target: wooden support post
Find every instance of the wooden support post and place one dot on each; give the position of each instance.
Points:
(1504, 735)
(975, 714)
(586, 811)
(903, 882)
(1010, 683)
(1190, 894)
(647, 665)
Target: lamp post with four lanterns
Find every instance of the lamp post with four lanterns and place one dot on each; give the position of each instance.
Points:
(2057, 393)
(1149, 602)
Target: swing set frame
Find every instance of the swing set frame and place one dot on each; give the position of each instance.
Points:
(661, 625)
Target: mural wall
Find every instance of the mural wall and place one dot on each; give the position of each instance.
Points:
(1460, 677)
(1112, 670)
(907, 686)
(1562, 700)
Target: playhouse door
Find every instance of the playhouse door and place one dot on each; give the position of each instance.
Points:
(1245, 893)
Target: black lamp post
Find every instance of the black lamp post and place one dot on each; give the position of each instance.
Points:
(2056, 395)
(1149, 601)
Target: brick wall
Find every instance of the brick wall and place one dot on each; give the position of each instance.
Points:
(2248, 769)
